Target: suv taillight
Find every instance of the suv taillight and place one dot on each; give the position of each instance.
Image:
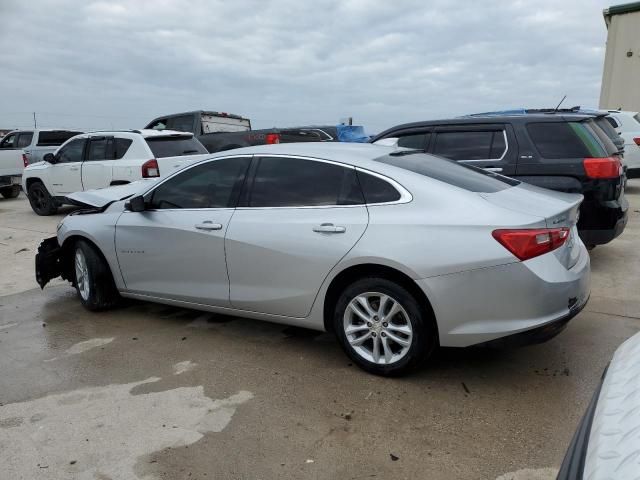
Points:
(637, 141)
(25, 160)
(531, 242)
(273, 138)
(150, 169)
(609, 167)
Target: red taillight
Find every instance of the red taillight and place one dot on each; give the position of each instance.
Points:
(637, 141)
(609, 167)
(150, 169)
(273, 138)
(531, 242)
(25, 160)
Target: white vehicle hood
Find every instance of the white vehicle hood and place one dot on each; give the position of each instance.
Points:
(101, 198)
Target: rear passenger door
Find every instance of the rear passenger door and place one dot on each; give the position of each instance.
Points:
(491, 146)
(65, 172)
(296, 219)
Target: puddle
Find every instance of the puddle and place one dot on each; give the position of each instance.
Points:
(82, 347)
(100, 432)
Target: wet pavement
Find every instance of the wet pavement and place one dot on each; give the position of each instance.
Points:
(149, 391)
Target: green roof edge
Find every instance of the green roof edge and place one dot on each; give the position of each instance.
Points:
(622, 9)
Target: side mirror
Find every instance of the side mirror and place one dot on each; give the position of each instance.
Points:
(49, 157)
(135, 204)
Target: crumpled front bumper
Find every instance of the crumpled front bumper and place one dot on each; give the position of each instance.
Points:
(48, 261)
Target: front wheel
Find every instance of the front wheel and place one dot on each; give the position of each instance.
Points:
(10, 192)
(41, 201)
(383, 328)
(93, 280)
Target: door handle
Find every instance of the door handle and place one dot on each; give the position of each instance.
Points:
(329, 228)
(494, 169)
(208, 225)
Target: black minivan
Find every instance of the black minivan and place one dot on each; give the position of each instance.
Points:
(567, 153)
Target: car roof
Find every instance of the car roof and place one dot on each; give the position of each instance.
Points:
(144, 132)
(356, 154)
(485, 120)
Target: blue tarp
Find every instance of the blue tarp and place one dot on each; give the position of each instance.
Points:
(352, 133)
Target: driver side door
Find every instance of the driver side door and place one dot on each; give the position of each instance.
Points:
(66, 173)
(174, 249)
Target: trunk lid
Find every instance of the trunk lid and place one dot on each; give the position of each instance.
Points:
(560, 210)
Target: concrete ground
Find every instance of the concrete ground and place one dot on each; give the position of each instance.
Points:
(154, 392)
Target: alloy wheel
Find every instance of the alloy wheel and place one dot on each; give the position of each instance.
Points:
(82, 275)
(378, 328)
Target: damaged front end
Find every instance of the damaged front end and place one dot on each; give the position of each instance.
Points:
(50, 262)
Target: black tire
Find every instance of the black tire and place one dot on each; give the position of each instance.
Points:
(424, 332)
(10, 192)
(101, 292)
(41, 201)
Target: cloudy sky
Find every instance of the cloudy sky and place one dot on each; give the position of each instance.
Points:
(117, 64)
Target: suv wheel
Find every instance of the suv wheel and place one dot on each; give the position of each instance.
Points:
(41, 201)
(93, 279)
(10, 192)
(382, 328)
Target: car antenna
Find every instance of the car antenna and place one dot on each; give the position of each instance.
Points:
(558, 106)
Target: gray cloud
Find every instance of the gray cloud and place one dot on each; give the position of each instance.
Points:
(117, 64)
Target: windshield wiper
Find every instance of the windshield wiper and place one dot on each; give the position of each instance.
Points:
(402, 153)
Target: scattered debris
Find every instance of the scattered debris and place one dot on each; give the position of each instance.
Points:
(309, 460)
(466, 389)
(368, 396)
(134, 338)
(394, 458)
(184, 338)
(22, 250)
(72, 462)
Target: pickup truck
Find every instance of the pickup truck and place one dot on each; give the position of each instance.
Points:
(12, 163)
(219, 131)
(37, 142)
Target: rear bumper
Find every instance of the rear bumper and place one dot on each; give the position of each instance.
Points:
(602, 222)
(48, 261)
(538, 296)
(10, 180)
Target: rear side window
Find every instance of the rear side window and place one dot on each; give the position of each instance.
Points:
(607, 128)
(377, 190)
(175, 146)
(605, 141)
(214, 184)
(294, 182)
(613, 122)
(563, 140)
(24, 139)
(97, 149)
(457, 174)
(470, 145)
(417, 140)
(55, 138)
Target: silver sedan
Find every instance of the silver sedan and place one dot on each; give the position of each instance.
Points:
(395, 251)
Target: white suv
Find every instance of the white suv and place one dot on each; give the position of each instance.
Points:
(627, 124)
(102, 159)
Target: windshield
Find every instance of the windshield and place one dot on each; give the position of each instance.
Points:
(175, 146)
(459, 175)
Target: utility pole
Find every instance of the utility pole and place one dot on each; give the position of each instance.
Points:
(35, 122)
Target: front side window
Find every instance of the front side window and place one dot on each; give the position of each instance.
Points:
(71, 152)
(9, 141)
(97, 149)
(24, 139)
(214, 184)
(295, 182)
(418, 141)
(470, 145)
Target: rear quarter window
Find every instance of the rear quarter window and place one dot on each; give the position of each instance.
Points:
(459, 175)
(175, 146)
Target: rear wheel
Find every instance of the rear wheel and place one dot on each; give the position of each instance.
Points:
(41, 201)
(10, 192)
(93, 280)
(382, 327)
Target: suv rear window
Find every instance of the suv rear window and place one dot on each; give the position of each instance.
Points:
(564, 140)
(55, 138)
(459, 175)
(175, 146)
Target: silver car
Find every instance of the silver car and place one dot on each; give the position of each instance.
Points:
(395, 251)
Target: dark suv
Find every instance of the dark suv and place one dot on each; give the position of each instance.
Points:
(568, 153)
